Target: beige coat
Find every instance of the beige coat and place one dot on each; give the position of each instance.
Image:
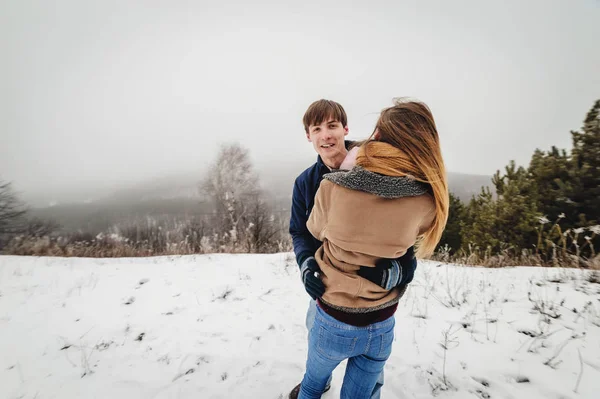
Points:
(358, 228)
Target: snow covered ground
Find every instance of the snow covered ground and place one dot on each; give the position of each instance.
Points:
(232, 326)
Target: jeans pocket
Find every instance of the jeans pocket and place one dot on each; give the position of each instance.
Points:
(385, 350)
(335, 347)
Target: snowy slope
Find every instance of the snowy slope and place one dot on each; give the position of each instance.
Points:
(232, 326)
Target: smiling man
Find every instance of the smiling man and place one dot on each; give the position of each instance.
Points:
(326, 126)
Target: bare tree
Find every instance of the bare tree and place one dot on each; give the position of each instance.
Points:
(36, 227)
(230, 183)
(261, 228)
(12, 212)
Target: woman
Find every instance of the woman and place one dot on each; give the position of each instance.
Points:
(395, 196)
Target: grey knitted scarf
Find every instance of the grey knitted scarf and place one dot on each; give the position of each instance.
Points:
(362, 179)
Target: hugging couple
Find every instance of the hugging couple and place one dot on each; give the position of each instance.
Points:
(360, 216)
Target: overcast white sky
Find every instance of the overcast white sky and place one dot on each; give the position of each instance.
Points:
(112, 91)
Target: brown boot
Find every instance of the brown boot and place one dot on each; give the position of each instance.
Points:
(296, 391)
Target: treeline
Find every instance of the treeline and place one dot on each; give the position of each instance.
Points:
(547, 213)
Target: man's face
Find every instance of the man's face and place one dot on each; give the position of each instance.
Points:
(328, 140)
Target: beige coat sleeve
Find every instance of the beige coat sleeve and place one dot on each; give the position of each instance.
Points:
(318, 217)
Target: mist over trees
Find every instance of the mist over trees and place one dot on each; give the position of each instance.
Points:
(231, 213)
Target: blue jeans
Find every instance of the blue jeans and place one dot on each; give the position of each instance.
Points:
(331, 341)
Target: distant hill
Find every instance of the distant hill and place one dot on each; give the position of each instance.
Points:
(465, 186)
(178, 196)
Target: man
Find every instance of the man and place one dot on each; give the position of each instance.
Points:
(326, 126)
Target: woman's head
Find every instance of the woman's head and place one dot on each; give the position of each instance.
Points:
(410, 128)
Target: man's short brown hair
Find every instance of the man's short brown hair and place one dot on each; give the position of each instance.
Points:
(321, 110)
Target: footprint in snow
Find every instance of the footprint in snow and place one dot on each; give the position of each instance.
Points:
(519, 379)
(142, 282)
(482, 381)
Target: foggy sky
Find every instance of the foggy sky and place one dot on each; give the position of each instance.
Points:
(95, 93)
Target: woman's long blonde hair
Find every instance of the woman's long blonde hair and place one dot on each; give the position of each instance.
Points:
(409, 127)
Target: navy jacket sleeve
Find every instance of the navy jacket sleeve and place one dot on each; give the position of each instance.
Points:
(305, 244)
(409, 266)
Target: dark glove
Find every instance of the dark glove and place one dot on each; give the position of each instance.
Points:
(310, 271)
(390, 273)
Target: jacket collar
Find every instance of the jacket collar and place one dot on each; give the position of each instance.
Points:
(362, 179)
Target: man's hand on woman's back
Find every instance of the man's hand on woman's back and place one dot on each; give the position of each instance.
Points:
(390, 273)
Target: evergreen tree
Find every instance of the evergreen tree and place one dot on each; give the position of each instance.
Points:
(586, 168)
(452, 233)
(510, 220)
(556, 186)
(551, 175)
(516, 211)
(479, 223)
